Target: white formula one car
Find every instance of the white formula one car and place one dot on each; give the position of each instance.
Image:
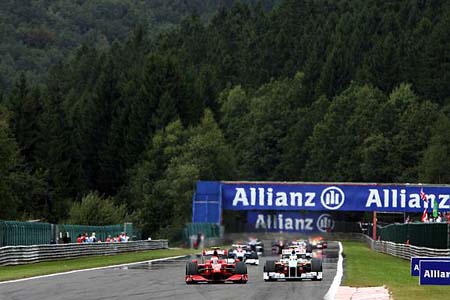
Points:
(242, 253)
(293, 265)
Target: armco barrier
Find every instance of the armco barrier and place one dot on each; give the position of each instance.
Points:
(404, 251)
(17, 255)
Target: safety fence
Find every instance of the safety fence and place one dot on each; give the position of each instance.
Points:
(14, 233)
(430, 235)
(16, 255)
(405, 251)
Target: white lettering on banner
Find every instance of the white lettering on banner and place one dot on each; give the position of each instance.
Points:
(333, 198)
(260, 222)
(390, 199)
(414, 201)
(436, 274)
(444, 199)
(252, 196)
(281, 199)
(241, 196)
(262, 197)
(281, 223)
(296, 196)
(310, 199)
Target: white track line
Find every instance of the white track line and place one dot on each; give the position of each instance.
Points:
(337, 278)
(91, 269)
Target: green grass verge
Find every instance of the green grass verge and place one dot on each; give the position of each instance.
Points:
(44, 268)
(364, 268)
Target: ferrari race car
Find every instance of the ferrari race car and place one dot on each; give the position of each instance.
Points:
(242, 253)
(293, 265)
(318, 242)
(215, 266)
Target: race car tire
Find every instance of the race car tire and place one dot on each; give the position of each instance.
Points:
(316, 265)
(241, 268)
(253, 255)
(270, 266)
(191, 269)
(309, 248)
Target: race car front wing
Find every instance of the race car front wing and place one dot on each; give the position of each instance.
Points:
(276, 275)
(236, 278)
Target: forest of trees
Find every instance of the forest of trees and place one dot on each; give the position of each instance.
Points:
(309, 90)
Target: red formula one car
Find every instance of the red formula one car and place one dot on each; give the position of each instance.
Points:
(215, 267)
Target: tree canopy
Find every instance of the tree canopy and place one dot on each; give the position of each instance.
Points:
(139, 99)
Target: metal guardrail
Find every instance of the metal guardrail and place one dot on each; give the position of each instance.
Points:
(404, 251)
(17, 255)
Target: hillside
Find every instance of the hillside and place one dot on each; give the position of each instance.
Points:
(312, 90)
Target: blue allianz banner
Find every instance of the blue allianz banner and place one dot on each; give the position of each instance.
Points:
(289, 222)
(415, 261)
(434, 272)
(333, 196)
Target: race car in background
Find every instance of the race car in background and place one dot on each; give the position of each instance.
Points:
(318, 242)
(304, 247)
(278, 246)
(256, 245)
(240, 252)
(215, 267)
(293, 265)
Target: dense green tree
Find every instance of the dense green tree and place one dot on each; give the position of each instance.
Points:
(95, 209)
(435, 164)
(9, 157)
(334, 147)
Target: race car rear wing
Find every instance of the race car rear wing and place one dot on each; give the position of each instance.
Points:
(215, 251)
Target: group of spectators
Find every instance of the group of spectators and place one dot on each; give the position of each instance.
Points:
(443, 217)
(85, 238)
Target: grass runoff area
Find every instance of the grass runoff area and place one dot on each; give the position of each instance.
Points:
(365, 268)
(44, 268)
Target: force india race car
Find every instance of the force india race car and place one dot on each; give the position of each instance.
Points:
(244, 254)
(293, 265)
(216, 267)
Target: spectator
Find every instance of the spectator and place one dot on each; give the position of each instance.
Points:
(125, 237)
(79, 239)
(84, 237)
(109, 239)
(66, 238)
(92, 238)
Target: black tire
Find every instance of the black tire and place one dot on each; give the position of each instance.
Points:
(230, 253)
(191, 269)
(270, 266)
(316, 265)
(309, 248)
(241, 268)
(253, 255)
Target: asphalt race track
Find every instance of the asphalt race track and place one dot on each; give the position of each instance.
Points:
(165, 280)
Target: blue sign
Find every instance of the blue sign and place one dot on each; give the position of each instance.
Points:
(415, 268)
(289, 222)
(331, 196)
(434, 272)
